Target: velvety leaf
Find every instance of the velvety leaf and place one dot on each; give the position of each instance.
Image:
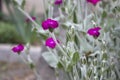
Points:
(69, 67)
(51, 59)
(31, 65)
(59, 65)
(104, 57)
(75, 58)
(23, 3)
(104, 14)
(74, 17)
(43, 36)
(19, 2)
(76, 40)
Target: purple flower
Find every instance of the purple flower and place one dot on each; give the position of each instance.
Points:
(28, 20)
(45, 25)
(50, 43)
(18, 48)
(49, 24)
(58, 2)
(94, 31)
(52, 23)
(94, 2)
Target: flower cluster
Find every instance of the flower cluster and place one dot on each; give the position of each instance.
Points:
(49, 24)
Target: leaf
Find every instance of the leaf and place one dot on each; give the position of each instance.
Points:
(32, 66)
(59, 65)
(74, 18)
(104, 14)
(116, 33)
(104, 56)
(43, 36)
(69, 68)
(19, 2)
(23, 3)
(89, 72)
(63, 9)
(51, 59)
(85, 46)
(77, 42)
(75, 58)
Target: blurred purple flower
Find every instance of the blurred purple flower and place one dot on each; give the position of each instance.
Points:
(94, 31)
(49, 24)
(28, 20)
(18, 48)
(50, 43)
(45, 25)
(52, 23)
(94, 2)
(58, 2)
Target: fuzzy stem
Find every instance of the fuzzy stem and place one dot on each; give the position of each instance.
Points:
(36, 74)
(44, 5)
(71, 77)
(76, 72)
(24, 60)
(64, 53)
(28, 16)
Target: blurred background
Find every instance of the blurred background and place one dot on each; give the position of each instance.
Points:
(14, 30)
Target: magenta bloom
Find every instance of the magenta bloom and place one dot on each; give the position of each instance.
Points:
(45, 25)
(49, 24)
(94, 31)
(50, 43)
(58, 2)
(28, 20)
(94, 2)
(18, 48)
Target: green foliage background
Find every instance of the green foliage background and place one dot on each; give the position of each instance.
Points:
(8, 34)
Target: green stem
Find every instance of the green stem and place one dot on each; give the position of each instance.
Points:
(79, 18)
(24, 60)
(57, 74)
(71, 77)
(76, 72)
(50, 12)
(44, 5)
(28, 16)
(36, 74)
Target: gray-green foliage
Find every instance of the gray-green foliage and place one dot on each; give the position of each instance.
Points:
(83, 57)
(98, 59)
